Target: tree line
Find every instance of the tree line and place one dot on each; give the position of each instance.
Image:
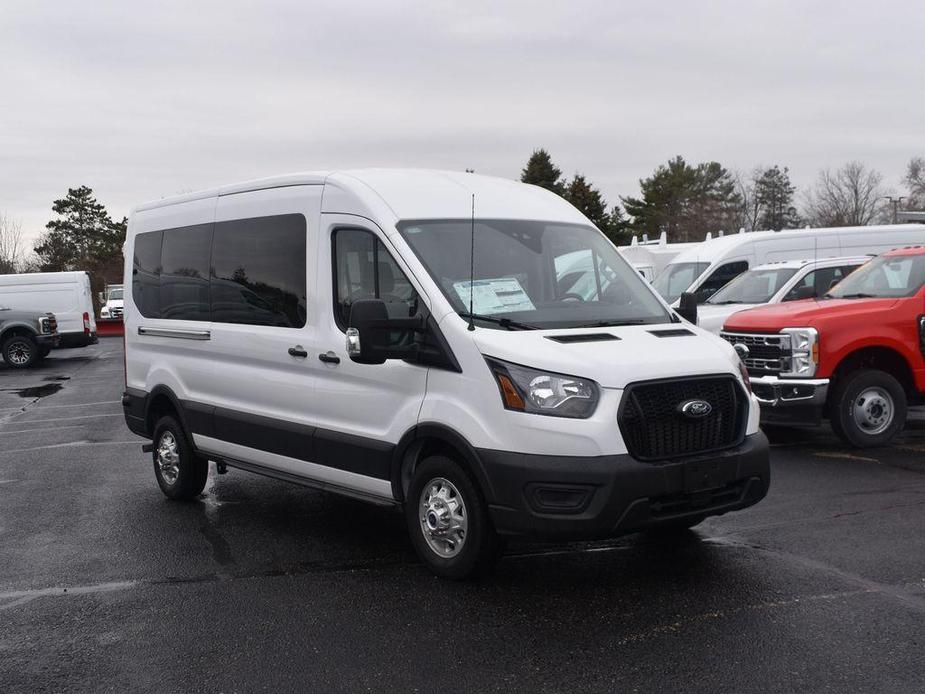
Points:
(684, 200)
(687, 200)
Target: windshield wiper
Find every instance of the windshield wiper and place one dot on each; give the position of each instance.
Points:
(724, 303)
(506, 323)
(857, 295)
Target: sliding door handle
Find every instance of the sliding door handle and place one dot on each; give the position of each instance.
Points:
(297, 351)
(329, 358)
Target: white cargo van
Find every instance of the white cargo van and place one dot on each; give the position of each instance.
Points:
(707, 267)
(66, 294)
(650, 258)
(773, 283)
(365, 333)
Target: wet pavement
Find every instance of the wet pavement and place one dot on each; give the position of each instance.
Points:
(259, 585)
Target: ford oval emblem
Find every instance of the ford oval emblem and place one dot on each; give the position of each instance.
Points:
(695, 409)
(741, 350)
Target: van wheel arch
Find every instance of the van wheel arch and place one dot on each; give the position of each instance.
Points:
(163, 402)
(426, 440)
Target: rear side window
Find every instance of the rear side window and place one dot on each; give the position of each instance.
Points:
(719, 277)
(258, 271)
(146, 273)
(364, 269)
(250, 271)
(185, 273)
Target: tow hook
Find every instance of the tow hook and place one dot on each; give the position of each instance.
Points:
(147, 448)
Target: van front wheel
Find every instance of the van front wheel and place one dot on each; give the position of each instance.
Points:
(448, 521)
(180, 473)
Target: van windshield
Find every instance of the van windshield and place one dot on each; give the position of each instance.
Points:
(887, 276)
(753, 287)
(529, 274)
(114, 294)
(674, 280)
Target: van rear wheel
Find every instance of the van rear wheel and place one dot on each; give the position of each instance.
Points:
(448, 521)
(180, 473)
(868, 408)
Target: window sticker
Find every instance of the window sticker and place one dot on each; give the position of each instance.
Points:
(503, 295)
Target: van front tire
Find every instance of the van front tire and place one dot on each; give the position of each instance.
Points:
(180, 473)
(448, 521)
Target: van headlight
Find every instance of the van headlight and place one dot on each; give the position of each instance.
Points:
(541, 392)
(804, 352)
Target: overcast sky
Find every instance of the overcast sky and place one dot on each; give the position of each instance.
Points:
(141, 103)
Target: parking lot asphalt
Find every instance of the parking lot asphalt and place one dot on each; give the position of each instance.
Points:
(259, 585)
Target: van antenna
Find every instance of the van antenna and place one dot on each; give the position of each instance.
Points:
(471, 262)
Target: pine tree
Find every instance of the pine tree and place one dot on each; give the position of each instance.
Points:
(83, 237)
(774, 200)
(588, 201)
(540, 171)
(685, 201)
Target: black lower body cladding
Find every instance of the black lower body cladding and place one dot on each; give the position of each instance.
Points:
(560, 497)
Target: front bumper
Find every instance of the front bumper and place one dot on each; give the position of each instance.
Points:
(565, 497)
(792, 401)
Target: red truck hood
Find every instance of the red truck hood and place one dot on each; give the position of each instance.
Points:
(804, 314)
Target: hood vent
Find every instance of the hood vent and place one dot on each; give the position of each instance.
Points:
(587, 337)
(671, 332)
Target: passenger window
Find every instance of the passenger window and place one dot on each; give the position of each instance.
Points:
(820, 280)
(184, 278)
(259, 271)
(719, 278)
(364, 269)
(146, 272)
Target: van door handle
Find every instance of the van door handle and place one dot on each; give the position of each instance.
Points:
(297, 351)
(329, 358)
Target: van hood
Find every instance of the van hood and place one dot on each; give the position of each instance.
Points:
(639, 352)
(805, 314)
(712, 316)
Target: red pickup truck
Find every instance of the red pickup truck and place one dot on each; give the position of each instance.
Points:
(855, 356)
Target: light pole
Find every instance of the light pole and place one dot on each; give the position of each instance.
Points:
(895, 202)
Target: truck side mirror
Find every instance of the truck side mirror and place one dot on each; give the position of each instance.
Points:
(687, 307)
(806, 292)
(373, 337)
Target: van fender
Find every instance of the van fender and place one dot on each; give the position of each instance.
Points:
(416, 441)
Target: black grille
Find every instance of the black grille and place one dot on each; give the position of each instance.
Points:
(766, 353)
(654, 427)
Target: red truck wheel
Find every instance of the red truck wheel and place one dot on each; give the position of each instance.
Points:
(868, 409)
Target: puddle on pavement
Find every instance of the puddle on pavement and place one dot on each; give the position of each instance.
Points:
(57, 378)
(37, 391)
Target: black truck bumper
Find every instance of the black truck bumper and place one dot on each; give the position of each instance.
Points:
(562, 497)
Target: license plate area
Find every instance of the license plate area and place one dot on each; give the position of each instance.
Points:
(704, 475)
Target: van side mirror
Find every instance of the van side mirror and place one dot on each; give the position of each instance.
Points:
(687, 308)
(373, 337)
(806, 292)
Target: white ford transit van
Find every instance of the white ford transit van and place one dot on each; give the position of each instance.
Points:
(66, 294)
(709, 266)
(502, 373)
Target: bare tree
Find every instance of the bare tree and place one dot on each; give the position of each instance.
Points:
(849, 196)
(914, 180)
(11, 244)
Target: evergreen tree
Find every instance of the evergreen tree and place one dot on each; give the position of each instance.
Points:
(685, 201)
(540, 171)
(588, 200)
(774, 199)
(83, 237)
(618, 227)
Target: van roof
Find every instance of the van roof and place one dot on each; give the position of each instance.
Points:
(40, 277)
(714, 248)
(412, 194)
